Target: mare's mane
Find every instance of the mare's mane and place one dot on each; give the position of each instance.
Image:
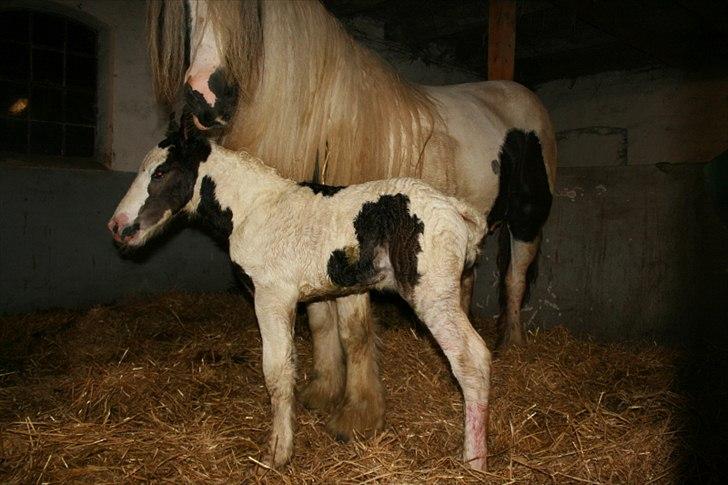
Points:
(311, 98)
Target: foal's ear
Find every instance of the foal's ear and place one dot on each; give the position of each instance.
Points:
(173, 127)
(188, 130)
(195, 143)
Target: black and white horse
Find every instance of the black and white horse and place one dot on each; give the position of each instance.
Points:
(299, 242)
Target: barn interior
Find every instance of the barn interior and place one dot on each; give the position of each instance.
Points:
(627, 318)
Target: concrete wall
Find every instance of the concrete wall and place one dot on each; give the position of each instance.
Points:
(629, 252)
(638, 117)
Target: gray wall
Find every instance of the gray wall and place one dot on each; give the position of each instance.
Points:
(55, 250)
(639, 117)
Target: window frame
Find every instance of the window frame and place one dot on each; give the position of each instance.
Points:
(101, 157)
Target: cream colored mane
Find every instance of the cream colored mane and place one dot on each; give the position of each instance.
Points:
(313, 102)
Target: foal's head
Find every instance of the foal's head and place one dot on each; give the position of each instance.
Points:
(164, 185)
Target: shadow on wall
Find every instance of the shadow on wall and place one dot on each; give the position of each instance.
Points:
(55, 250)
(703, 374)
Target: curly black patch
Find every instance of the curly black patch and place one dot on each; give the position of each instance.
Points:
(218, 221)
(384, 225)
(325, 190)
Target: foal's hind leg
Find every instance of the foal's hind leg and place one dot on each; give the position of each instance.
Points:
(362, 410)
(517, 279)
(468, 357)
(326, 388)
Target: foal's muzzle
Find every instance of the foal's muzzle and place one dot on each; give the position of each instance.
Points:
(121, 229)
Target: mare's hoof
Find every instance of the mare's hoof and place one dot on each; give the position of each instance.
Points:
(321, 395)
(363, 418)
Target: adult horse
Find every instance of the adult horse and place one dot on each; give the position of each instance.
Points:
(285, 82)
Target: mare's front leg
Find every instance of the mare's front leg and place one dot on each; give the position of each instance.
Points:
(275, 309)
(362, 410)
(326, 387)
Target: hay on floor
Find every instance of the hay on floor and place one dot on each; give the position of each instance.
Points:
(170, 389)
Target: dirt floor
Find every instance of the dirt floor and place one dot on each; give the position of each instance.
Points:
(170, 389)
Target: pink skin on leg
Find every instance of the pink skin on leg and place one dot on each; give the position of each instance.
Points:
(476, 434)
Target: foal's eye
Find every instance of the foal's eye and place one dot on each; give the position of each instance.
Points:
(158, 173)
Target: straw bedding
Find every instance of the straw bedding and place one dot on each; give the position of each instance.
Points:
(170, 389)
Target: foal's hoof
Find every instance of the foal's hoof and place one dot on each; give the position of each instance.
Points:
(321, 395)
(479, 464)
(363, 418)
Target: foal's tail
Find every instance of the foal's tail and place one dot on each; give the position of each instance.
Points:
(477, 227)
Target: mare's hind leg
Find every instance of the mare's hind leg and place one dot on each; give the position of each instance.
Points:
(326, 388)
(516, 281)
(523, 205)
(440, 309)
(362, 410)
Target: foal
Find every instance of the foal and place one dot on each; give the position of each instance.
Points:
(302, 242)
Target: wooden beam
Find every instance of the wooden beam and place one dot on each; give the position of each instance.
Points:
(501, 39)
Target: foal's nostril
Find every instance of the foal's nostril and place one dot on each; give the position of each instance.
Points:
(130, 230)
(112, 226)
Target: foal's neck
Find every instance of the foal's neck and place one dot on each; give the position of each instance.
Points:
(238, 182)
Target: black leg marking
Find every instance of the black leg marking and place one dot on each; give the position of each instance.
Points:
(523, 203)
(385, 225)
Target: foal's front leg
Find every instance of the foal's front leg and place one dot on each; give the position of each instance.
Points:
(275, 309)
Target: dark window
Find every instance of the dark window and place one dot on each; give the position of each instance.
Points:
(47, 84)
